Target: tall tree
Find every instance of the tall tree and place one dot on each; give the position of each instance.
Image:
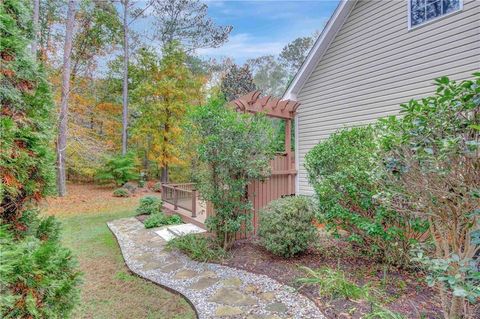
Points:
(36, 17)
(187, 22)
(270, 76)
(98, 34)
(63, 114)
(128, 7)
(237, 81)
(126, 57)
(163, 99)
(295, 52)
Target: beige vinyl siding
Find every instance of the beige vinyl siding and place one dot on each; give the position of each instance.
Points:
(375, 63)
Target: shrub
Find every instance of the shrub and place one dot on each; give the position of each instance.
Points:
(121, 192)
(38, 277)
(333, 284)
(198, 247)
(149, 205)
(433, 159)
(346, 173)
(119, 169)
(233, 149)
(157, 187)
(160, 219)
(286, 226)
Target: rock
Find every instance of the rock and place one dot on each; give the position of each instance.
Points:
(267, 296)
(233, 297)
(131, 187)
(208, 273)
(263, 317)
(232, 282)
(252, 289)
(227, 311)
(185, 274)
(277, 307)
(203, 283)
(171, 267)
(151, 265)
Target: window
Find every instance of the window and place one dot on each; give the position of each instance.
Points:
(422, 11)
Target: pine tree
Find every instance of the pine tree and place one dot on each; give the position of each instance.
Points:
(38, 277)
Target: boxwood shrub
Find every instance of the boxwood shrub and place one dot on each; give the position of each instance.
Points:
(286, 226)
(149, 205)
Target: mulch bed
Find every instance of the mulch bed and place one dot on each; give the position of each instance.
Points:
(404, 292)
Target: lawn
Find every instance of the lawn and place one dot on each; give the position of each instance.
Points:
(109, 289)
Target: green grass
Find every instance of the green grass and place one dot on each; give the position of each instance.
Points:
(109, 289)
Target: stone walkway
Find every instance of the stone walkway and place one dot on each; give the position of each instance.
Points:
(215, 291)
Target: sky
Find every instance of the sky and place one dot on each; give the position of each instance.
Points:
(264, 27)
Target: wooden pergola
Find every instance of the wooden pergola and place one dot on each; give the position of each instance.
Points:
(282, 181)
(271, 106)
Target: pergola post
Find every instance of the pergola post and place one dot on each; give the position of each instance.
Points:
(288, 150)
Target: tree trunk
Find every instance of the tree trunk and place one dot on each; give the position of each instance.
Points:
(63, 116)
(125, 77)
(164, 178)
(36, 15)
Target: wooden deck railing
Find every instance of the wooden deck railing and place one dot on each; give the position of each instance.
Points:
(181, 195)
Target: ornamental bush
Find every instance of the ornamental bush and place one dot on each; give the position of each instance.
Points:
(121, 192)
(160, 219)
(118, 169)
(346, 172)
(286, 226)
(432, 154)
(38, 277)
(149, 205)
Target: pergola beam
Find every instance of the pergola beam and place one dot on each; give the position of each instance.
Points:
(271, 106)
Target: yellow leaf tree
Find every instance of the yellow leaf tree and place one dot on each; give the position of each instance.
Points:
(162, 100)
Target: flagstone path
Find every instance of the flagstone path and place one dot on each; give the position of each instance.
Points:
(215, 291)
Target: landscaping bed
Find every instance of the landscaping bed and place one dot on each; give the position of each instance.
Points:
(401, 292)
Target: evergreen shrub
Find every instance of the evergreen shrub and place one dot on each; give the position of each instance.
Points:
(286, 226)
(160, 219)
(121, 192)
(149, 205)
(38, 277)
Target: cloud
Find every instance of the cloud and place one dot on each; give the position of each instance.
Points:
(243, 46)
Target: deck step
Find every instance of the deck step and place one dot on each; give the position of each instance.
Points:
(171, 232)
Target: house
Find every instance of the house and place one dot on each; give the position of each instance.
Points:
(374, 55)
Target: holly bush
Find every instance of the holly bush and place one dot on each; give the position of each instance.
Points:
(432, 155)
(346, 173)
(38, 277)
(286, 225)
(232, 150)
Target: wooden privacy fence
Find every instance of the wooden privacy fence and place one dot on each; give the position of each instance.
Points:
(260, 193)
(181, 195)
(282, 181)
